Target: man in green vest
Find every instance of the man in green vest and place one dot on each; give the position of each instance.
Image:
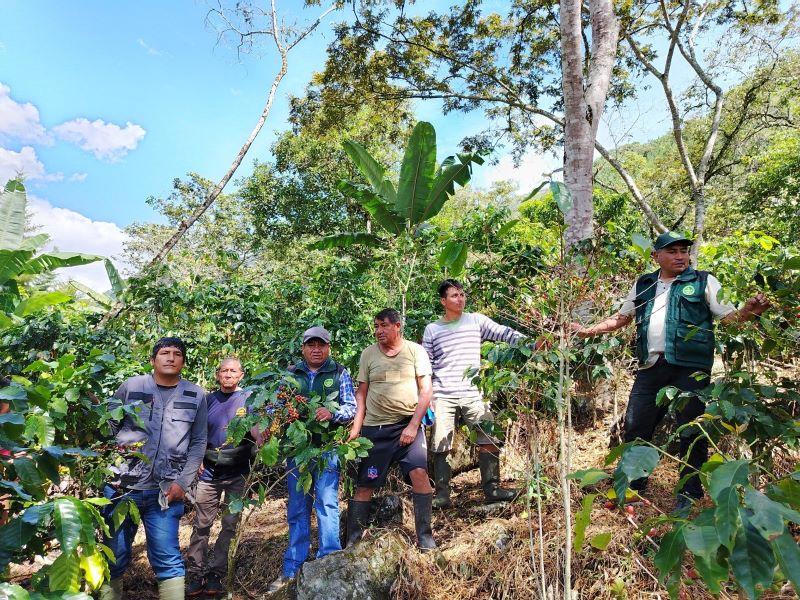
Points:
(316, 374)
(674, 309)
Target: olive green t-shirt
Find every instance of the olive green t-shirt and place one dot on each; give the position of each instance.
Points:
(392, 394)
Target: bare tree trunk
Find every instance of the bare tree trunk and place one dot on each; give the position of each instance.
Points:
(698, 177)
(283, 51)
(584, 99)
(699, 199)
(185, 224)
(578, 139)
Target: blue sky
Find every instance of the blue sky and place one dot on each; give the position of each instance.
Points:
(113, 100)
(157, 66)
(152, 64)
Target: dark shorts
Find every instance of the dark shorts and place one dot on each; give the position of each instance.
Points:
(386, 449)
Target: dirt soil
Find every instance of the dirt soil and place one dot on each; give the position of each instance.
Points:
(489, 552)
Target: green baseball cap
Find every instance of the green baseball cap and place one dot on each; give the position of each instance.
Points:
(668, 238)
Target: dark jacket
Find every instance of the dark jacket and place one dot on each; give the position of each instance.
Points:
(172, 426)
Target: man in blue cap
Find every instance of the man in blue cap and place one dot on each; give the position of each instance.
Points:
(674, 308)
(317, 374)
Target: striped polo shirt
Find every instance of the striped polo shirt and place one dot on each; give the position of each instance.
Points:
(455, 347)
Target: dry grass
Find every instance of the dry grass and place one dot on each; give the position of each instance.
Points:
(485, 554)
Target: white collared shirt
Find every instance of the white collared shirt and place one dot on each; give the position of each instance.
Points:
(656, 331)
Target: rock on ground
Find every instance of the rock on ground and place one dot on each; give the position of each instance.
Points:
(463, 455)
(365, 571)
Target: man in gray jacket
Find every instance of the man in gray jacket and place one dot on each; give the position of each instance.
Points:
(163, 417)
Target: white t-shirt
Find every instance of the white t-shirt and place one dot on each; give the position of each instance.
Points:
(656, 331)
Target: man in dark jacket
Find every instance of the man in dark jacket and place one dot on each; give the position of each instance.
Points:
(316, 374)
(223, 472)
(164, 417)
(674, 308)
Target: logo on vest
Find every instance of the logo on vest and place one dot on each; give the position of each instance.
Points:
(328, 382)
(372, 473)
(688, 290)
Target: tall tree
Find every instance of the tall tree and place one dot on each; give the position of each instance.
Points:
(244, 24)
(731, 35)
(758, 116)
(503, 60)
(506, 61)
(584, 100)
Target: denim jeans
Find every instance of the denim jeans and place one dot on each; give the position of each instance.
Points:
(324, 495)
(160, 527)
(643, 415)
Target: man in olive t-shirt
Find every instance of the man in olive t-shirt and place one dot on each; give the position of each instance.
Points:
(393, 394)
(393, 389)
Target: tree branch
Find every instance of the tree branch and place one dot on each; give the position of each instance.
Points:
(634, 189)
(185, 224)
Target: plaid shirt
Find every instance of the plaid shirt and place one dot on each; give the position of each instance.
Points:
(347, 397)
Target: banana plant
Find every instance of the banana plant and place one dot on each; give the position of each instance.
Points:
(32, 428)
(401, 211)
(103, 302)
(422, 188)
(20, 260)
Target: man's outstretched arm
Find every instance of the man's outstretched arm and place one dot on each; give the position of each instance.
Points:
(612, 323)
(753, 308)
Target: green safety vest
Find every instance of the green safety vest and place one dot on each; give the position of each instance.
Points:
(689, 326)
(326, 380)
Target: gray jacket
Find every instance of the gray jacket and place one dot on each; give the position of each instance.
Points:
(172, 427)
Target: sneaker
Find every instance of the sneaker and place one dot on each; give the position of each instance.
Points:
(194, 585)
(279, 584)
(214, 586)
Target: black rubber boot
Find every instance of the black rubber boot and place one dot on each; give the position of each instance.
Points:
(357, 519)
(422, 521)
(195, 585)
(442, 472)
(214, 586)
(490, 479)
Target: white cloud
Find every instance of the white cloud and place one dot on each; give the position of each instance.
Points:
(150, 50)
(20, 122)
(26, 162)
(70, 231)
(78, 177)
(527, 175)
(106, 141)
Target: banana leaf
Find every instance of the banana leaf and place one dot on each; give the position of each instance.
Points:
(417, 174)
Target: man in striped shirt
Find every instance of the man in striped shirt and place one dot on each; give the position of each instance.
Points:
(453, 344)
